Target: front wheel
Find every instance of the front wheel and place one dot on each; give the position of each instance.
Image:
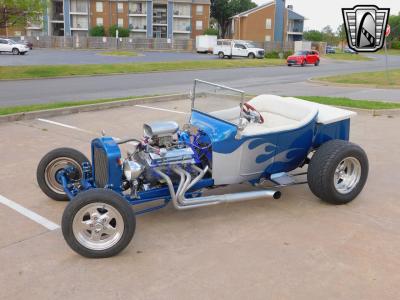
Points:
(221, 55)
(338, 171)
(98, 223)
(251, 56)
(15, 51)
(303, 63)
(50, 166)
(317, 63)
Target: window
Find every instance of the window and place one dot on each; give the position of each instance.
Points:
(99, 21)
(267, 38)
(240, 46)
(120, 22)
(199, 9)
(268, 23)
(120, 7)
(199, 25)
(3, 42)
(99, 6)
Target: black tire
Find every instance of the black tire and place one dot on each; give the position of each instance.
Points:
(15, 51)
(221, 55)
(303, 63)
(322, 167)
(317, 63)
(103, 197)
(22, 53)
(229, 56)
(289, 65)
(45, 180)
(251, 56)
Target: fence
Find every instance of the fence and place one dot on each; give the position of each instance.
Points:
(78, 42)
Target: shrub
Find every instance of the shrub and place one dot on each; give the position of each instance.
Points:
(395, 45)
(276, 54)
(122, 32)
(97, 31)
(211, 31)
(272, 54)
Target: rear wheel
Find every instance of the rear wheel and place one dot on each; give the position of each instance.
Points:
(338, 171)
(15, 51)
(317, 63)
(51, 164)
(98, 223)
(251, 56)
(289, 65)
(221, 55)
(22, 53)
(303, 63)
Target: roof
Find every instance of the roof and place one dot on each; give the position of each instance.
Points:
(291, 14)
(250, 11)
(294, 15)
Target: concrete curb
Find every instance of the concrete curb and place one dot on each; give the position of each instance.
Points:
(88, 107)
(351, 85)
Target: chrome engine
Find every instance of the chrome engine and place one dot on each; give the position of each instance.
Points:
(159, 149)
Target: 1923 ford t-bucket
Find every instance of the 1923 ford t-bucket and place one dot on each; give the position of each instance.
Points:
(255, 142)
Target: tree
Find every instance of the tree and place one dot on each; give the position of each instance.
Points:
(313, 36)
(341, 34)
(329, 36)
(20, 12)
(223, 10)
(394, 37)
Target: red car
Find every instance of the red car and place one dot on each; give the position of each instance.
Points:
(304, 57)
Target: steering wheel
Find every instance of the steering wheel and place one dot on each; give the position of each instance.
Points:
(252, 113)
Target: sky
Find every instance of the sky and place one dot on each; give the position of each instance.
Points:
(320, 13)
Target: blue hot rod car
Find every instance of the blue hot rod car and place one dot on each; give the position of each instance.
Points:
(256, 142)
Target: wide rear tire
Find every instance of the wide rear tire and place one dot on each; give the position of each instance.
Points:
(98, 223)
(15, 51)
(221, 55)
(338, 171)
(53, 162)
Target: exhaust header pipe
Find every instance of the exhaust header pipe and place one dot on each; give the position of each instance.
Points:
(180, 202)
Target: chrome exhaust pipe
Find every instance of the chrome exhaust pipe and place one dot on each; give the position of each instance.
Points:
(180, 202)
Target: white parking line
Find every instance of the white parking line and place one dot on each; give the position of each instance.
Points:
(162, 109)
(65, 125)
(29, 214)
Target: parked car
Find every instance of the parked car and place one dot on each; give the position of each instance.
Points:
(231, 48)
(349, 50)
(29, 45)
(304, 57)
(330, 50)
(252, 142)
(7, 45)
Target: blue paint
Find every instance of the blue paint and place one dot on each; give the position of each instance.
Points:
(113, 153)
(67, 19)
(170, 18)
(337, 130)
(149, 19)
(279, 20)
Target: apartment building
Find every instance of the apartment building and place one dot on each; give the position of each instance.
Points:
(152, 19)
(270, 22)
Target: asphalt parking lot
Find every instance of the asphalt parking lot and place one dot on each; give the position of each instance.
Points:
(65, 56)
(293, 248)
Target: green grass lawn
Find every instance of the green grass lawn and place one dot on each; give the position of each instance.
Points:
(347, 102)
(373, 79)
(390, 51)
(44, 71)
(35, 107)
(347, 56)
(118, 53)
(365, 104)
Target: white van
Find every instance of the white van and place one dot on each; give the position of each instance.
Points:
(231, 48)
(206, 43)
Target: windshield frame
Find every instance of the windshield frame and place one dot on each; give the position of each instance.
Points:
(193, 98)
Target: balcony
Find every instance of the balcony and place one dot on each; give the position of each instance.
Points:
(182, 11)
(79, 7)
(79, 23)
(138, 9)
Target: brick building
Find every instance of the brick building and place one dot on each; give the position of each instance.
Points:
(151, 19)
(270, 22)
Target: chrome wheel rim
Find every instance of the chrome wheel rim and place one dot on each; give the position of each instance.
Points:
(347, 175)
(98, 226)
(50, 173)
